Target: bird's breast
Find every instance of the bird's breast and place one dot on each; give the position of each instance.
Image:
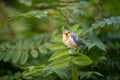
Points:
(69, 42)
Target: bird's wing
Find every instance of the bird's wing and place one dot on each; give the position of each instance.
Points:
(76, 39)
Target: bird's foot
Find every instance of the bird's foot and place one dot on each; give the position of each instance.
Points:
(72, 50)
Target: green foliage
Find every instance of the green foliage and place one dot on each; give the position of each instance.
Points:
(16, 76)
(61, 59)
(20, 51)
(81, 60)
(58, 54)
(36, 14)
(31, 46)
(26, 2)
(89, 74)
(34, 53)
(112, 20)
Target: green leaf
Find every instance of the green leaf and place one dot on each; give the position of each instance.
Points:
(26, 2)
(8, 55)
(48, 72)
(58, 54)
(89, 74)
(27, 45)
(57, 38)
(74, 28)
(98, 24)
(95, 42)
(28, 77)
(24, 57)
(113, 20)
(61, 73)
(43, 49)
(27, 72)
(2, 55)
(35, 13)
(100, 45)
(34, 53)
(81, 59)
(31, 68)
(63, 28)
(62, 62)
(90, 45)
(18, 45)
(58, 46)
(17, 75)
(16, 56)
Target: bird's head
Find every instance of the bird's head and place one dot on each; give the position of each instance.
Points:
(66, 33)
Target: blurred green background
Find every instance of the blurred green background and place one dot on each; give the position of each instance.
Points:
(33, 23)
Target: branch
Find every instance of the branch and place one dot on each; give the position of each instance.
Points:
(66, 17)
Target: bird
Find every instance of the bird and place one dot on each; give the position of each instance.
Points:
(71, 40)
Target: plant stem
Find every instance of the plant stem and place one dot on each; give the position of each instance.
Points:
(74, 72)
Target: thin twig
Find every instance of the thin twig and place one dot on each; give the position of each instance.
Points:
(66, 17)
(68, 1)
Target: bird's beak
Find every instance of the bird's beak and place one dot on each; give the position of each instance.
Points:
(66, 33)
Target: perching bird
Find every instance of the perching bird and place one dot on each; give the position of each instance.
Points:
(71, 40)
